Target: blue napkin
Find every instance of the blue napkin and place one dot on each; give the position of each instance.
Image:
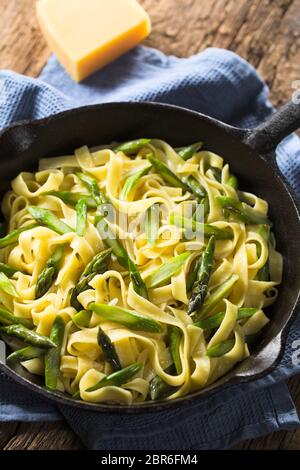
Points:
(223, 85)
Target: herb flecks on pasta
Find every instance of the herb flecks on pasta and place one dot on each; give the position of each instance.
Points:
(134, 271)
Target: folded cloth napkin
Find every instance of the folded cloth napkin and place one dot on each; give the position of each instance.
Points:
(223, 85)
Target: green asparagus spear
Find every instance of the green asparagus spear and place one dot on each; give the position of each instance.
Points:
(205, 203)
(190, 279)
(98, 264)
(175, 335)
(13, 236)
(53, 355)
(72, 198)
(192, 275)
(82, 319)
(24, 354)
(81, 213)
(211, 322)
(215, 297)
(49, 273)
(224, 347)
(246, 312)
(195, 187)
(246, 213)
(6, 285)
(110, 239)
(264, 231)
(201, 210)
(45, 281)
(163, 274)
(216, 320)
(119, 378)
(132, 147)
(220, 349)
(28, 336)
(231, 216)
(190, 225)
(132, 181)
(152, 224)
(109, 351)
(132, 320)
(186, 184)
(166, 173)
(76, 395)
(47, 218)
(200, 287)
(92, 186)
(7, 318)
(124, 260)
(264, 272)
(217, 173)
(80, 287)
(136, 279)
(233, 182)
(187, 152)
(158, 388)
(9, 271)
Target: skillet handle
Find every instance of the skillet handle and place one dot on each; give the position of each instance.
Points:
(265, 138)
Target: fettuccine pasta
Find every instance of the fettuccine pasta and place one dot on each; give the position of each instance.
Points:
(143, 271)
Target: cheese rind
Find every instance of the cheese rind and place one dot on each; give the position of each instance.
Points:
(88, 34)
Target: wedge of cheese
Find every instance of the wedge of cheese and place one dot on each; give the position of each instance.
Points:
(85, 35)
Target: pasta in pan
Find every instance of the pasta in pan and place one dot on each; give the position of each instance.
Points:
(134, 271)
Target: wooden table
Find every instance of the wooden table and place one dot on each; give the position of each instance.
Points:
(265, 32)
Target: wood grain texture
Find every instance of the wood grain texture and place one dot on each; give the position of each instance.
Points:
(22, 47)
(7, 432)
(35, 436)
(264, 32)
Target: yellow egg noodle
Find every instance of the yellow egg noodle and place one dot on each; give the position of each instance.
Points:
(204, 353)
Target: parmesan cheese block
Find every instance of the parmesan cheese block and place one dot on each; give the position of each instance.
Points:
(85, 35)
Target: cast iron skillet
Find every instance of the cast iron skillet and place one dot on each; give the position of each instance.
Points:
(250, 155)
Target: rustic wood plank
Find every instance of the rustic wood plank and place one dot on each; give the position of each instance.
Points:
(281, 65)
(22, 47)
(50, 436)
(7, 431)
(265, 32)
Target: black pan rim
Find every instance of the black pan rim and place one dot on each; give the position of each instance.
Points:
(82, 109)
(236, 133)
